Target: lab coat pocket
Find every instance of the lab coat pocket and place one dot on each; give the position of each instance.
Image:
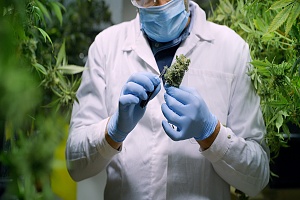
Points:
(214, 87)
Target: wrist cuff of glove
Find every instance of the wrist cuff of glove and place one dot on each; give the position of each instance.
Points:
(208, 129)
(112, 130)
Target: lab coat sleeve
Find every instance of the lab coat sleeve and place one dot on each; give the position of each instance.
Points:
(239, 154)
(87, 151)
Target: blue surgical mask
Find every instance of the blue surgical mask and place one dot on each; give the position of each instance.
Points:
(164, 23)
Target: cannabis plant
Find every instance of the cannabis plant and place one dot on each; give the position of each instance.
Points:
(272, 30)
(38, 87)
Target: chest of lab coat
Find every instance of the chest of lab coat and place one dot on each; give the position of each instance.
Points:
(150, 164)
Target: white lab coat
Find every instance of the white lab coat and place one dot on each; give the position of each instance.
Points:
(151, 165)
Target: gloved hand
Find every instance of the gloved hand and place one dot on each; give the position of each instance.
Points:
(129, 111)
(185, 109)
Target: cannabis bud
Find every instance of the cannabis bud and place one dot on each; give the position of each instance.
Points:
(175, 73)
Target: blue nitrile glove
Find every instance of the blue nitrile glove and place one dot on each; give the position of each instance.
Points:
(185, 109)
(130, 112)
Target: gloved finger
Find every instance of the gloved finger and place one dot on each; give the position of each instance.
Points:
(145, 79)
(194, 94)
(174, 104)
(185, 97)
(134, 89)
(170, 115)
(154, 78)
(190, 90)
(128, 100)
(173, 134)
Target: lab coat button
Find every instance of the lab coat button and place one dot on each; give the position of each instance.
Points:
(229, 136)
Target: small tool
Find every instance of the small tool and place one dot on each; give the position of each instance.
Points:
(145, 102)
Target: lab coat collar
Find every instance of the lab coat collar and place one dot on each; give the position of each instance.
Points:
(201, 27)
(200, 30)
(137, 42)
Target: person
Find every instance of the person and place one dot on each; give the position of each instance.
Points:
(191, 142)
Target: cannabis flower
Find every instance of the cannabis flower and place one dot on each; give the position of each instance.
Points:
(175, 73)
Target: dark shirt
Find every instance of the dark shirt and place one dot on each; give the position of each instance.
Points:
(165, 51)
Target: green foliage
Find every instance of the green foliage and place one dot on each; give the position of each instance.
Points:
(272, 30)
(175, 72)
(38, 88)
(290, 11)
(30, 158)
(42, 53)
(81, 23)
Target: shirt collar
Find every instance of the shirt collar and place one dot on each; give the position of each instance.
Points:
(159, 46)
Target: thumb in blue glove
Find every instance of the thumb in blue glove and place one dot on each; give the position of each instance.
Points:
(129, 112)
(185, 109)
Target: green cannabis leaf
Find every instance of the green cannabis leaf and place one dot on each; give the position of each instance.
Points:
(289, 13)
